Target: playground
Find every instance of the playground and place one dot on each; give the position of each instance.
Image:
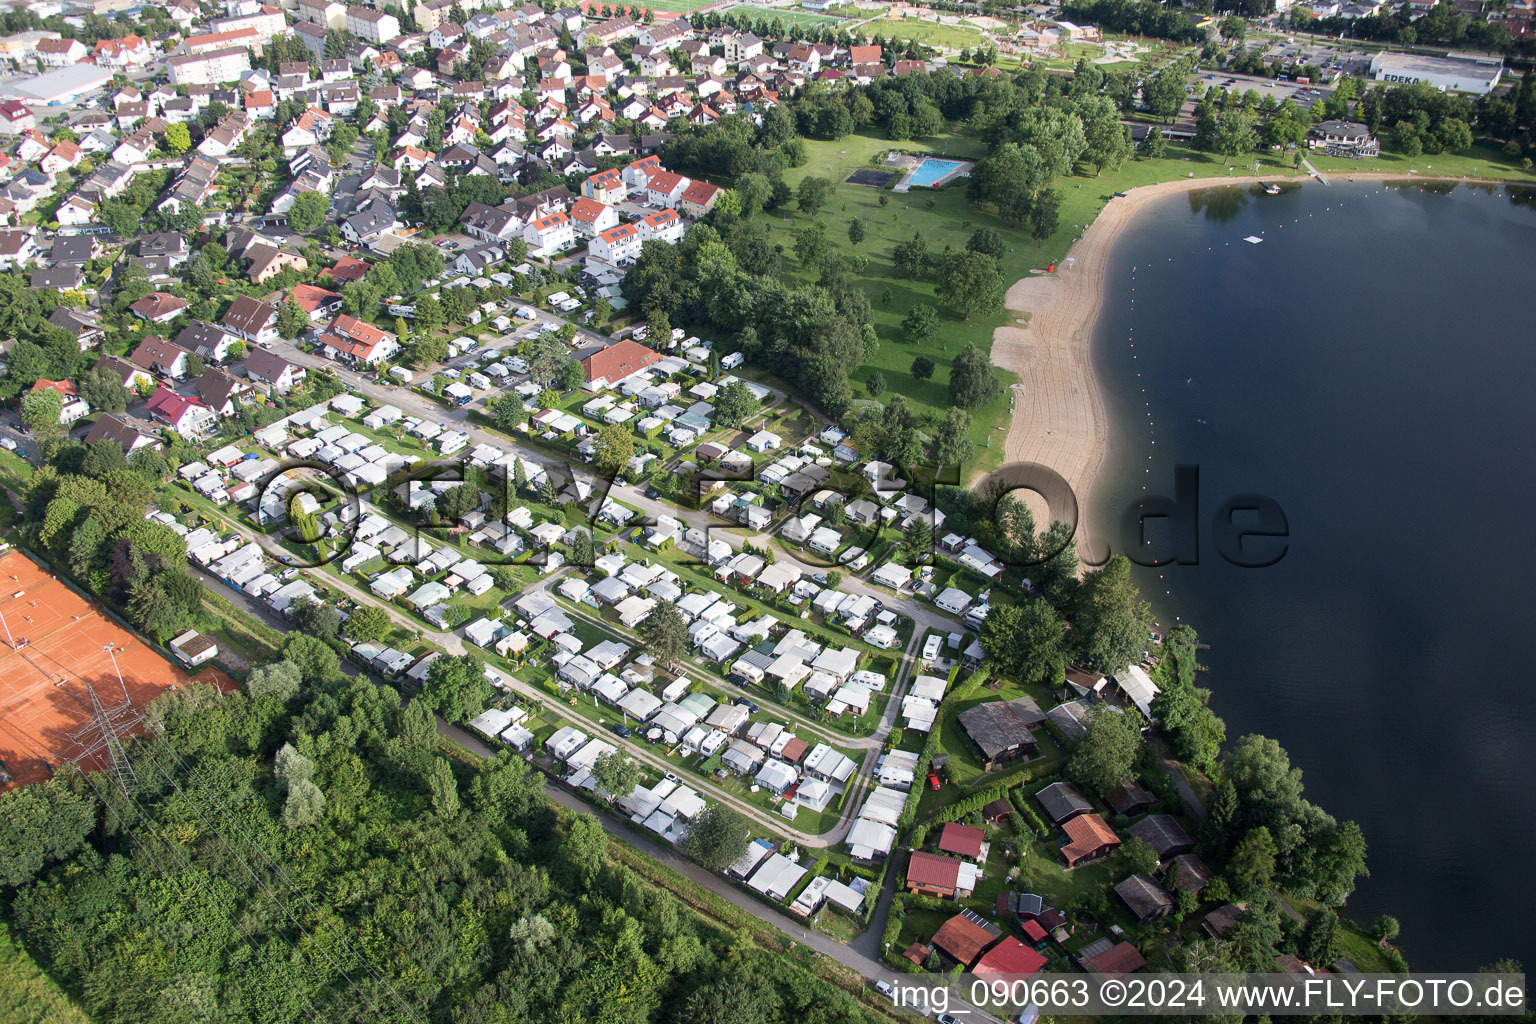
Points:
(55, 648)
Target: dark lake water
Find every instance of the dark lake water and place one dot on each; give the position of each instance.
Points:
(1370, 366)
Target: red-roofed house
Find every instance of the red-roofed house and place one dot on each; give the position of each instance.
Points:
(317, 302)
(159, 307)
(661, 226)
(15, 118)
(1089, 838)
(963, 937)
(1009, 957)
(353, 341)
(619, 360)
(129, 51)
(187, 416)
(932, 875)
(591, 217)
(549, 235)
(73, 405)
(698, 199)
(963, 841)
(605, 186)
(346, 269)
(1121, 959)
(61, 158)
(638, 172)
(665, 188)
(1033, 931)
(864, 54)
(616, 245)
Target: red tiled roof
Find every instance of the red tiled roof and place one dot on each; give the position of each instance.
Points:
(700, 192)
(170, 406)
(1034, 932)
(963, 937)
(311, 298)
(964, 840)
(1087, 833)
(665, 182)
(619, 360)
(66, 389)
(864, 54)
(1009, 957)
(348, 269)
(932, 871)
(587, 210)
(619, 233)
(1121, 959)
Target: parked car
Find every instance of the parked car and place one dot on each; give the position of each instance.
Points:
(933, 781)
(749, 704)
(623, 730)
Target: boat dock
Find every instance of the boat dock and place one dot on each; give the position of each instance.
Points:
(1313, 171)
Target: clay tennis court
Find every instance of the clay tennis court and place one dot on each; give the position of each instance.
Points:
(52, 643)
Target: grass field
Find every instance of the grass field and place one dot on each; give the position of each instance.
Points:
(928, 33)
(27, 995)
(790, 18)
(679, 6)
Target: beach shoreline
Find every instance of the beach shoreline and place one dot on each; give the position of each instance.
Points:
(1059, 419)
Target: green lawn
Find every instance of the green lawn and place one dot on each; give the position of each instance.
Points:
(790, 19)
(27, 994)
(928, 33)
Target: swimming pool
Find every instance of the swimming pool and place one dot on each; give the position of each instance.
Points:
(932, 169)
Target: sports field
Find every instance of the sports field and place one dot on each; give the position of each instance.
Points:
(788, 17)
(52, 645)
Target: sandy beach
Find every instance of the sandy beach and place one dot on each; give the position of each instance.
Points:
(1059, 419)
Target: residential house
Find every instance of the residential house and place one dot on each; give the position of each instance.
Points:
(159, 307)
(251, 319)
(353, 341)
(189, 417)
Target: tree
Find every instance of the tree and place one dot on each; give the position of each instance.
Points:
(613, 448)
(583, 845)
(178, 139)
(305, 805)
(658, 326)
(444, 788)
(971, 380)
(970, 283)
(834, 580)
(507, 412)
(987, 242)
(753, 190)
(316, 662)
(316, 619)
(717, 837)
(911, 258)
(1155, 145)
(664, 634)
(617, 774)
(582, 552)
(1043, 215)
(922, 366)
(811, 245)
(875, 384)
(1113, 624)
(456, 688)
(367, 624)
(40, 411)
(1138, 857)
(43, 823)
(291, 319)
(1386, 928)
(733, 404)
(1251, 871)
(952, 444)
(103, 390)
(280, 679)
(308, 211)
(855, 231)
(1104, 757)
(1320, 939)
(1234, 132)
(920, 325)
(917, 540)
(1027, 642)
(812, 194)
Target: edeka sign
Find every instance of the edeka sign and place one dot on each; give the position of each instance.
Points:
(1248, 530)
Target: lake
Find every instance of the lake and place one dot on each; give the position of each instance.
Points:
(1370, 367)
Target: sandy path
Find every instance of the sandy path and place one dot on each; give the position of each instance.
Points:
(1058, 417)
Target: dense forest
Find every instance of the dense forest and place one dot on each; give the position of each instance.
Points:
(302, 851)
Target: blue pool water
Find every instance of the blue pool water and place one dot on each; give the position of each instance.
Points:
(931, 170)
